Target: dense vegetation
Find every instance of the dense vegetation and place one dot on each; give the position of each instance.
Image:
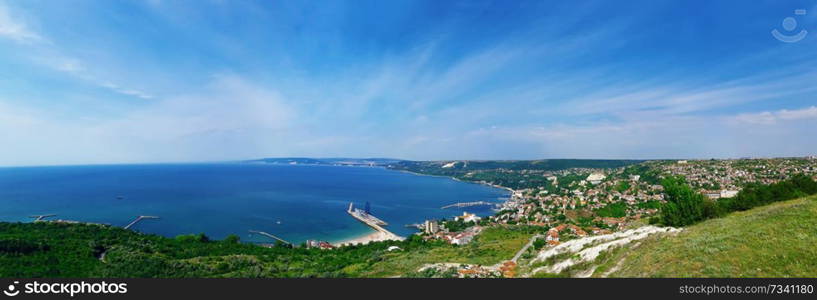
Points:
(646, 172)
(506, 172)
(613, 210)
(542, 165)
(685, 206)
(46, 249)
(755, 194)
(775, 240)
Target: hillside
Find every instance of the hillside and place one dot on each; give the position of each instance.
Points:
(454, 167)
(48, 249)
(514, 174)
(776, 240)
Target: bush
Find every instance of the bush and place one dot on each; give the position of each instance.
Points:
(193, 238)
(684, 206)
(755, 194)
(232, 239)
(614, 210)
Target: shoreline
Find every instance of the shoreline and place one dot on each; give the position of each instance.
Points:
(374, 236)
(457, 179)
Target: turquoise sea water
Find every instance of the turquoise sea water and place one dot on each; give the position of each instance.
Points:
(294, 202)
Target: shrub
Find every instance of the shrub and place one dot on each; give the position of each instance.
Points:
(684, 206)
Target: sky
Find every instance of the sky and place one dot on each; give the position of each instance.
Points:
(95, 82)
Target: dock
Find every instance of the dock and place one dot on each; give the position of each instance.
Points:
(270, 235)
(140, 218)
(360, 214)
(372, 221)
(467, 204)
(416, 225)
(38, 218)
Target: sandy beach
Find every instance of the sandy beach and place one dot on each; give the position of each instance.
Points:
(375, 236)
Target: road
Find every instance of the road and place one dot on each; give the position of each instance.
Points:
(525, 248)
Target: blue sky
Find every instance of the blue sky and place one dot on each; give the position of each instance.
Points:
(163, 81)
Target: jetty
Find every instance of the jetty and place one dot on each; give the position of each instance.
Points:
(467, 204)
(365, 217)
(372, 221)
(140, 218)
(38, 218)
(270, 235)
(416, 225)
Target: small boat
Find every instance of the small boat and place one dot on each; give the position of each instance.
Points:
(278, 222)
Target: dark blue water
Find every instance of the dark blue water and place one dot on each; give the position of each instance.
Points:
(222, 199)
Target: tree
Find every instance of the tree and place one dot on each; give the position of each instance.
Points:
(684, 206)
(232, 239)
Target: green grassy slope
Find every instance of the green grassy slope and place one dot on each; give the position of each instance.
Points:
(777, 240)
(77, 250)
(493, 245)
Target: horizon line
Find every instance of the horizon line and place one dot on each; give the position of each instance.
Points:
(396, 159)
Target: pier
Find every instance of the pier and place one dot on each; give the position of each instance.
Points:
(467, 204)
(416, 225)
(270, 235)
(372, 221)
(364, 217)
(38, 218)
(140, 218)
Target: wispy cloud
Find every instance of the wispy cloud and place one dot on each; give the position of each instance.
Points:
(253, 79)
(49, 54)
(50, 57)
(228, 116)
(783, 115)
(14, 29)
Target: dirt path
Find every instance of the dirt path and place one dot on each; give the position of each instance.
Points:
(525, 248)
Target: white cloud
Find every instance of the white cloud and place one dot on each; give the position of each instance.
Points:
(14, 29)
(777, 116)
(231, 118)
(50, 55)
(125, 91)
(50, 58)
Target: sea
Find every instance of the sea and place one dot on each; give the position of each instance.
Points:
(293, 202)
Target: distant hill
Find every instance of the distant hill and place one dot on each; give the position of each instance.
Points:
(776, 240)
(327, 161)
(453, 166)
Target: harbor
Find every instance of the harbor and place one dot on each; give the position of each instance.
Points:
(469, 204)
(380, 234)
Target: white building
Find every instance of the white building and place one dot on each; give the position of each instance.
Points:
(466, 217)
(596, 178)
(728, 194)
(431, 227)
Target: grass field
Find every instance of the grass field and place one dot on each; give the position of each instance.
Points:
(493, 245)
(777, 240)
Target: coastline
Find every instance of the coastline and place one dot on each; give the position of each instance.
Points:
(374, 236)
(457, 179)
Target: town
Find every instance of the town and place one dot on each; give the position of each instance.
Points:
(576, 202)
